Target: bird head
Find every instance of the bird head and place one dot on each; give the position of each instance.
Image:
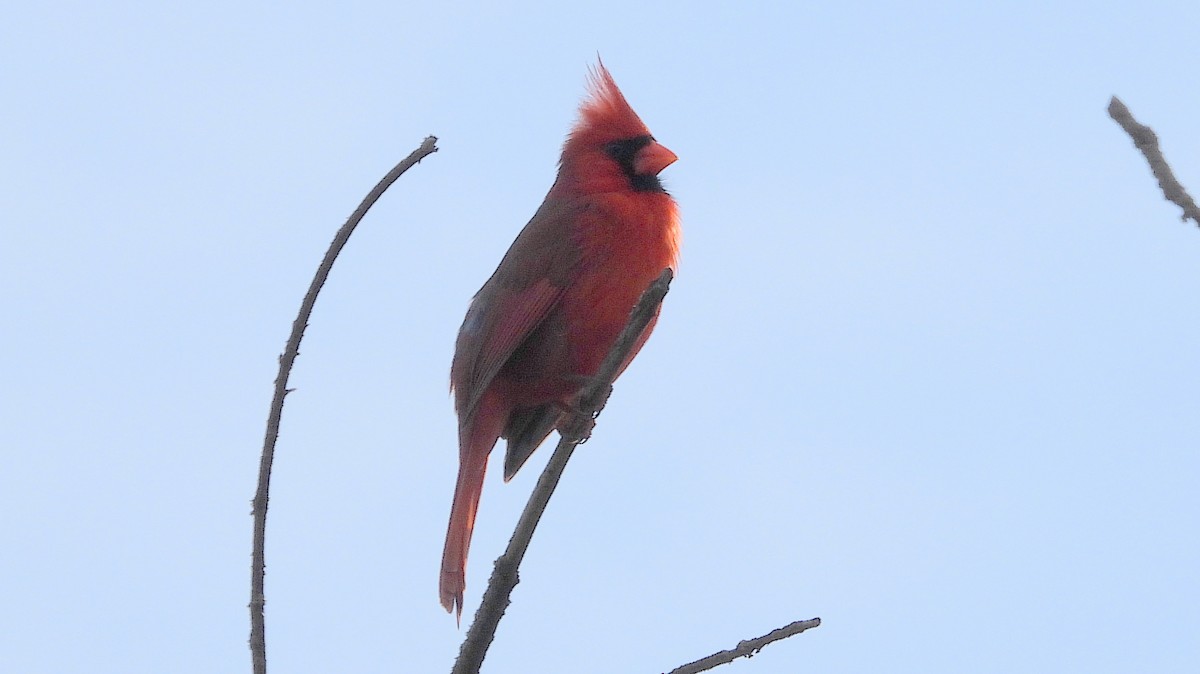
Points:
(610, 149)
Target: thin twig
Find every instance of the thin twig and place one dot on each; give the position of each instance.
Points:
(1147, 141)
(258, 636)
(747, 648)
(504, 576)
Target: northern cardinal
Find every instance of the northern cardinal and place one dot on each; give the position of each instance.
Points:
(541, 325)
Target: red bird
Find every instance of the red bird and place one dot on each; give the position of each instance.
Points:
(546, 318)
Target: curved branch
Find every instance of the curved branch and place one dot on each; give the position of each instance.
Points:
(588, 404)
(747, 648)
(1147, 141)
(258, 637)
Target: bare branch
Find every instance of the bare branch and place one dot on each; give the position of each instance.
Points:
(1147, 141)
(258, 636)
(590, 400)
(746, 648)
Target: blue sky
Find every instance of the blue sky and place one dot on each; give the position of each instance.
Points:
(928, 371)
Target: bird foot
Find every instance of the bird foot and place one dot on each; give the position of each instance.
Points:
(576, 427)
(577, 423)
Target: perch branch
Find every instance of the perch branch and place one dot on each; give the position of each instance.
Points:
(590, 400)
(747, 648)
(1147, 141)
(258, 637)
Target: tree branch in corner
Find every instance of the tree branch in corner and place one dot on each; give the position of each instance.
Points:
(1147, 141)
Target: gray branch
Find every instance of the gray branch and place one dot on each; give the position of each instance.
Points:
(258, 634)
(1147, 141)
(747, 648)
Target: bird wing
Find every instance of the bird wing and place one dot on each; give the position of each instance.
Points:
(525, 289)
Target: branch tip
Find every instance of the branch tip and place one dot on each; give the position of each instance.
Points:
(747, 648)
(1147, 142)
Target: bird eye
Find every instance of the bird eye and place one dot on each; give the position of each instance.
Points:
(623, 150)
(618, 149)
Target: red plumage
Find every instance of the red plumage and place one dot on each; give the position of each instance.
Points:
(543, 322)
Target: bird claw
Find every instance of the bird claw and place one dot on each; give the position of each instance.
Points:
(576, 425)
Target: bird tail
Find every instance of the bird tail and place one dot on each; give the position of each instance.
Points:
(476, 440)
(458, 533)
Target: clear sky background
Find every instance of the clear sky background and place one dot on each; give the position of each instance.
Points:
(929, 370)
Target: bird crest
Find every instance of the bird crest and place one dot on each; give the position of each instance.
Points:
(605, 114)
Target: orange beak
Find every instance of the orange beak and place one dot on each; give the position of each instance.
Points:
(652, 159)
